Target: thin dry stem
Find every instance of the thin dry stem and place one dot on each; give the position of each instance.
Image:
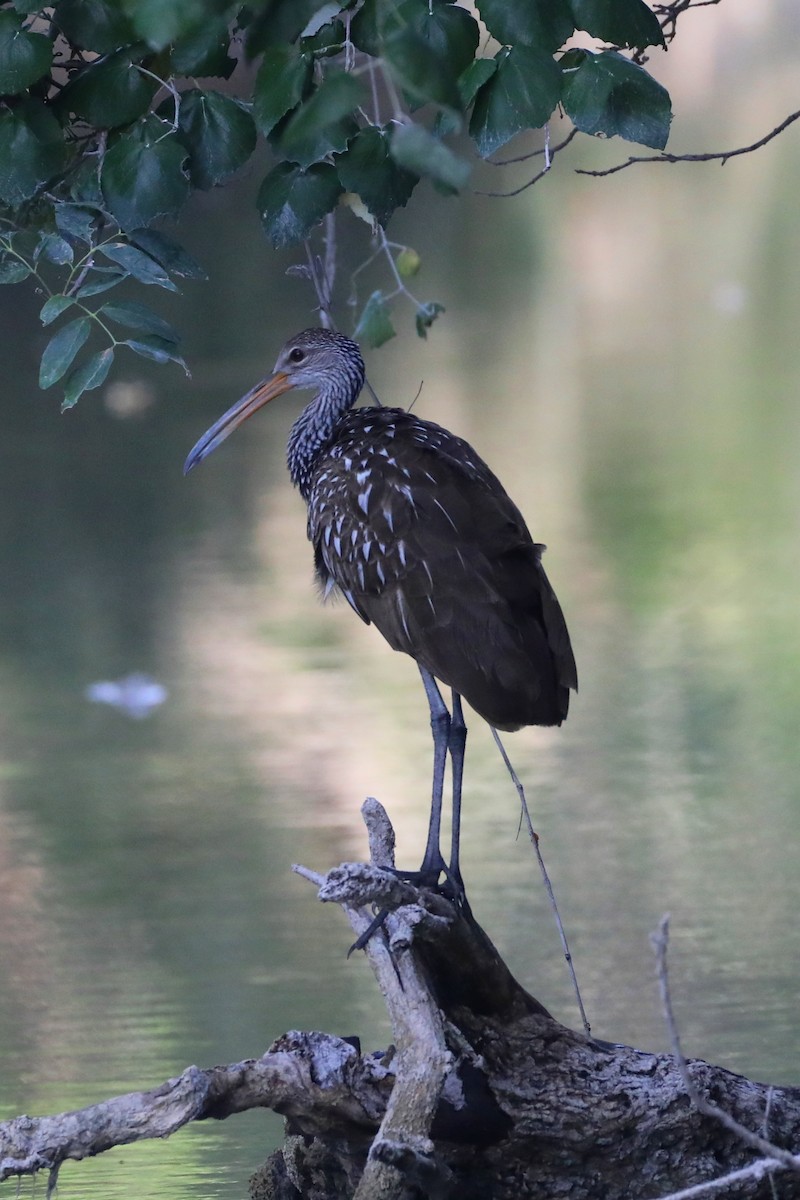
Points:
(534, 837)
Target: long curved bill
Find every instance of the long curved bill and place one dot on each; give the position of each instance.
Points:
(258, 396)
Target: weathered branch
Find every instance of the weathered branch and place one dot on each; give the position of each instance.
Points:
(310, 1075)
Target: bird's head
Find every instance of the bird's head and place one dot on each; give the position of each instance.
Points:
(316, 358)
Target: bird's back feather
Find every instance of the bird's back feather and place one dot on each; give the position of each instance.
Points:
(421, 537)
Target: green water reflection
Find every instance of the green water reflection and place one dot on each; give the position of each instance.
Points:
(626, 355)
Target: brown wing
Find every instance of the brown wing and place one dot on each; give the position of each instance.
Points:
(415, 530)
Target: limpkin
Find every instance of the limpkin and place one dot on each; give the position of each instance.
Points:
(412, 527)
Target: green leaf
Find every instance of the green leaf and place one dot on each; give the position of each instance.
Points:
(219, 134)
(280, 22)
(608, 94)
(544, 24)
(160, 23)
(204, 52)
(159, 349)
(417, 150)
(366, 26)
(307, 135)
(100, 285)
(110, 92)
(449, 32)
(292, 201)
(12, 270)
(84, 185)
(426, 315)
(282, 82)
(473, 79)
(89, 375)
(622, 22)
(321, 18)
(61, 350)
(327, 42)
(374, 326)
(97, 25)
(24, 57)
(53, 308)
(368, 169)
(133, 315)
(32, 151)
(169, 253)
(138, 264)
(55, 249)
(424, 75)
(521, 94)
(143, 175)
(76, 221)
(330, 140)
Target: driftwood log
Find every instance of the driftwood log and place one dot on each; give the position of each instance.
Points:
(484, 1094)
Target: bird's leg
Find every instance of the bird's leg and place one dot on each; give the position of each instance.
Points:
(456, 743)
(433, 863)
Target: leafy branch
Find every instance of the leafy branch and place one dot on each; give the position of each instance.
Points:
(111, 117)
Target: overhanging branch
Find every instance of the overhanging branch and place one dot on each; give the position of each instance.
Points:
(721, 156)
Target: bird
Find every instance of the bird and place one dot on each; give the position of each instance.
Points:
(412, 527)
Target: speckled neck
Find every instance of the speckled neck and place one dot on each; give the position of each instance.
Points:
(315, 428)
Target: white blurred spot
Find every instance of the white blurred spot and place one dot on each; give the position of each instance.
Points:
(729, 298)
(135, 695)
(128, 398)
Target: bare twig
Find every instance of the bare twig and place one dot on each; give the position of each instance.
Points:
(659, 940)
(550, 153)
(668, 14)
(534, 837)
(722, 156)
(173, 91)
(752, 1174)
(765, 1132)
(322, 272)
(518, 158)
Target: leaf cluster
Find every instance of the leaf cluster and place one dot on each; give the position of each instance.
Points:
(113, 112)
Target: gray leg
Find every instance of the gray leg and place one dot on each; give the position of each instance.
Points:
(433, 863)
(456, 744)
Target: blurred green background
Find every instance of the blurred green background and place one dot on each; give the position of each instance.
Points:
(625, 353)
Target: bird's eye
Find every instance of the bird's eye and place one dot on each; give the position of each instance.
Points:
(297, 355)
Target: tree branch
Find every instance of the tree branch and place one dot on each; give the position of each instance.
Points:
(554, 150)
(722, 155)
(297, 1068)
(668, 14)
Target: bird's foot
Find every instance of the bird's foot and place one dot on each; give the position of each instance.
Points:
(429, 874)
(426, 876)
(377, 922)
(451, 889)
